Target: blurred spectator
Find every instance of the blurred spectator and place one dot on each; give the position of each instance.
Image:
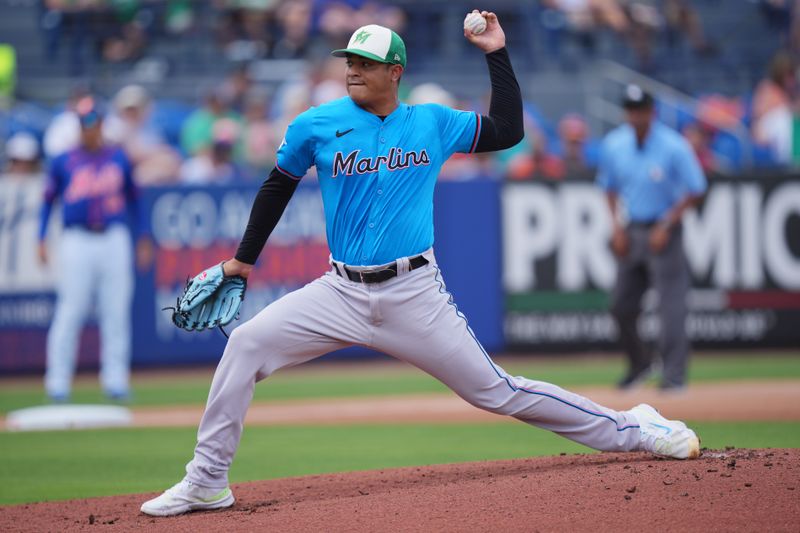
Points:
(179, 17)
(777, 88)
(235, 87)
(215, 165)
(197, 131)
(639, 21)
(772, 107)
(129, 126)
(531, 157)
(292, 99)
(336, 19)
(259, 137)
(22, 156)
(682, 18)
(115, 29)
(585, 16)
(123, 30)
(328, 81)
(719, 126)
(64, 132)
(783, 17)
(431, 93)
(460, 166)
(778, 13)
(794, 30)
(720, 111)
(645, 20)
(699, 136)
(246, 27)
(575, 152)
(294, 19)
(60, 19)
(581, 19)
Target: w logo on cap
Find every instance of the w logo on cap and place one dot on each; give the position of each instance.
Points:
(361, 37)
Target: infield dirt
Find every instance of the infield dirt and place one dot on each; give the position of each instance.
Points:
(723, 490)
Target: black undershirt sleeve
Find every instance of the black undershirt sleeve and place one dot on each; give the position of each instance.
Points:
(271, 200)
(503, 128)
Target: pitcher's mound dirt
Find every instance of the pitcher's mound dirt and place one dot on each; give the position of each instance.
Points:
(727, 490)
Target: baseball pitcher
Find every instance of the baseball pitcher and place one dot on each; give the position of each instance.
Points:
(377, 160)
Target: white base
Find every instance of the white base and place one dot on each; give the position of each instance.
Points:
(51, 417)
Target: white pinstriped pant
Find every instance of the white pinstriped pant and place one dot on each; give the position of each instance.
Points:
(411, 317)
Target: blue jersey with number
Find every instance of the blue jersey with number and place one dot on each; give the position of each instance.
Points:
(377, 175)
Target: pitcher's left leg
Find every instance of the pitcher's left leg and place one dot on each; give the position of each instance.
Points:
(446, 348)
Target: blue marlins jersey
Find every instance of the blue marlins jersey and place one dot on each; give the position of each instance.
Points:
(377, 176)
(96, 189)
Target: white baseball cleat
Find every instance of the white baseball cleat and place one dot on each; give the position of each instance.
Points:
(669, 438)
(185, 497)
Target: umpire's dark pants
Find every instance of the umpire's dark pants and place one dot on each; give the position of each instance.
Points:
(668, 273)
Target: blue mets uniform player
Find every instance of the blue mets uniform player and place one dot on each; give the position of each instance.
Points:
(377, 161)
(94, 186)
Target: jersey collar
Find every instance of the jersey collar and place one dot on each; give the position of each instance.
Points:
(391, 116)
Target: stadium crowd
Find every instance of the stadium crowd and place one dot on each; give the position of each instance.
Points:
(232, 135)
(120, 30)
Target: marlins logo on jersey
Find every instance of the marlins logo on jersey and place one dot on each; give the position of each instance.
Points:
(395, 160)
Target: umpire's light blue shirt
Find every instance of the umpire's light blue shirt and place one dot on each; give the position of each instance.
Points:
(377, 176)
(653, 178)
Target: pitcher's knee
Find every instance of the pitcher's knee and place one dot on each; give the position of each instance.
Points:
(249, 351)
(241, 344)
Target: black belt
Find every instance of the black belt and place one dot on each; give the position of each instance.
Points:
(648, 224)
(643, 223)
(94, 228)
(378, 276)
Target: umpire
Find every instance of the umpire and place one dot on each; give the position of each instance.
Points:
(651, 176)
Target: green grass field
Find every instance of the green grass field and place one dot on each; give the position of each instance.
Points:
(43, 466)
(326, 381)
(79, 464)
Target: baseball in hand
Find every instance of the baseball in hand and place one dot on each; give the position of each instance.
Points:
(475, 23)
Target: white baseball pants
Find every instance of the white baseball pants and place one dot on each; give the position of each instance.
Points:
(89, 265)
(411, 317)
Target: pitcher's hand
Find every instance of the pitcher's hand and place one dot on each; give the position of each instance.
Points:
(492, 39)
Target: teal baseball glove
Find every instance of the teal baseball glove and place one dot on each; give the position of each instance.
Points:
(209, 300)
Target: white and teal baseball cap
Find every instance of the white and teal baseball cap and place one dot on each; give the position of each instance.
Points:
(377, 43)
